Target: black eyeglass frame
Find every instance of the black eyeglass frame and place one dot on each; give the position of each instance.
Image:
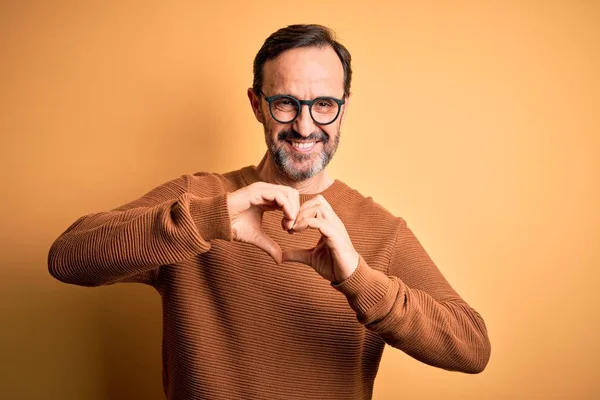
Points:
(300, 103)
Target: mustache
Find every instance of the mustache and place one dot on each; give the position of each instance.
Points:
(291, 134)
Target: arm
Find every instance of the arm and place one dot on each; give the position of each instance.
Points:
(415, 309)
(130, 243)
(412, 306)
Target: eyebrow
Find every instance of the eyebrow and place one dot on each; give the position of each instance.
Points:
(296, 97)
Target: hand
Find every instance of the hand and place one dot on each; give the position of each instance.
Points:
(334, 256)
(246, 207)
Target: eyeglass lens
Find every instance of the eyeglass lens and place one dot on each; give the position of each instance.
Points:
(323, 111)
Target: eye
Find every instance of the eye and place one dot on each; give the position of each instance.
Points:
(325, 106)
(285, 104)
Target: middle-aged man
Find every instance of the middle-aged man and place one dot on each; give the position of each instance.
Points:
(244, 317)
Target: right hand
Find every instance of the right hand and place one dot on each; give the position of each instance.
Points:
(246, 207)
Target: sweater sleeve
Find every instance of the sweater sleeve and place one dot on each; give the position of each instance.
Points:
(413, 308)
(167, 225)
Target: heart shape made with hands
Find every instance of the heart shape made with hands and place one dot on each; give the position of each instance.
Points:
(334, 257)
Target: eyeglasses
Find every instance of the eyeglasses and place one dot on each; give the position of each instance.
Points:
(285, 109)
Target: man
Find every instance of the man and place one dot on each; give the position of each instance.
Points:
(244, 317)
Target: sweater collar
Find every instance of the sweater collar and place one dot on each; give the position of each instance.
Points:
(331, 194)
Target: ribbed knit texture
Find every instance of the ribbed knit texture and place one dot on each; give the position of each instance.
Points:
(238, 326)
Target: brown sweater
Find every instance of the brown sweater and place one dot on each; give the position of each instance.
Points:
(238, 326)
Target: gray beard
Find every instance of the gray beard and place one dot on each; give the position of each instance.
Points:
(284, 161)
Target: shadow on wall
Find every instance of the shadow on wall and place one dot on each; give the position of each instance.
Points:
(128, 322)
(128, 318)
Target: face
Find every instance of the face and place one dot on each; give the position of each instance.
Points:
(301, 149)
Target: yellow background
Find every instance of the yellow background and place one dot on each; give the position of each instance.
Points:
(476, 122)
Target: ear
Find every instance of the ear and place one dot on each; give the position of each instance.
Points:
(345, 110)
(255, 104)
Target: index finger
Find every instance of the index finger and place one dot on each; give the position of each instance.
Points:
(277, 195)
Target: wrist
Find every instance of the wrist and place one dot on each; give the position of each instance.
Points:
(352, 266)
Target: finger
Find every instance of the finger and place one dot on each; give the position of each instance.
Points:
(300, 225)
(294, 196)
(299, 255)
(315, 211)
(294, 206)
(271, 196)
(325, 209)
(287, 206)
(264, 242)
(324, 226)
(287, 224)
(262, 193)
(318, 199)
(294, 200)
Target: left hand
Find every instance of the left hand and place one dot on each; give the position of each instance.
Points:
(334, 256)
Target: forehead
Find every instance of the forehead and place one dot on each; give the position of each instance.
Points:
(305, 71)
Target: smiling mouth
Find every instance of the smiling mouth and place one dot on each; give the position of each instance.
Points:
(302, 146)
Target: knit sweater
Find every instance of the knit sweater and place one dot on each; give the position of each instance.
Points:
(238, 326)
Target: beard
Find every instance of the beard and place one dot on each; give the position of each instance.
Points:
(312, 163)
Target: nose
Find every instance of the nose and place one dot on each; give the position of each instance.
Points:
(304, 124)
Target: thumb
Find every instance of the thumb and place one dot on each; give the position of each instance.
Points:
(299, 255)
(264, 242)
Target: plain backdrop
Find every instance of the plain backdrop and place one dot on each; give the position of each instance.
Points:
(477, 122)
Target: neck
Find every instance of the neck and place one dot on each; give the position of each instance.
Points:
(268, 172)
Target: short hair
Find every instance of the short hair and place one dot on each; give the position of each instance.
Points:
(296, 36)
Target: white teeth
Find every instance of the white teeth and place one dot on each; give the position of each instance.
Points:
(303, 145)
